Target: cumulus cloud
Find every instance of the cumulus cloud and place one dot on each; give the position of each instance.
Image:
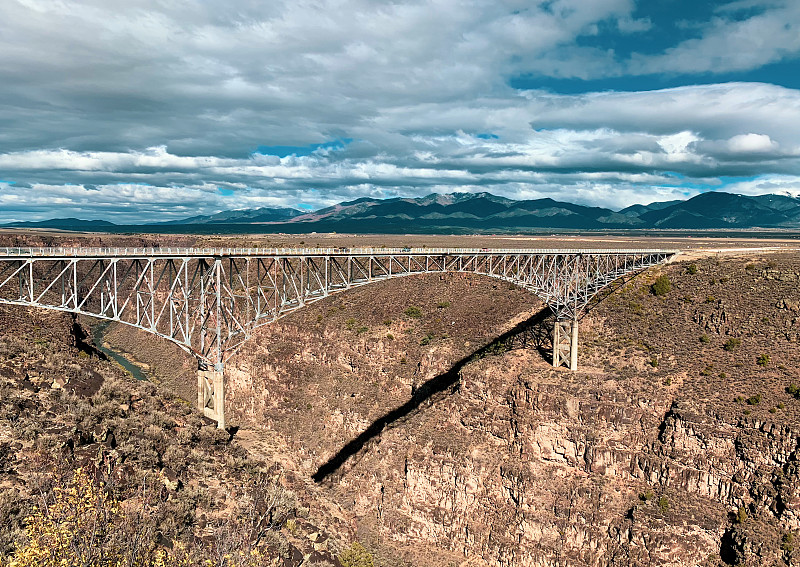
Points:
(765, 185)
(751, 144)
(134, 111)
(731, 42)
(609, 150)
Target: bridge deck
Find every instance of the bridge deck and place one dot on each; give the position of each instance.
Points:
(171, 252)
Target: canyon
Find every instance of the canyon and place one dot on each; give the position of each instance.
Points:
(434, 445)
(443, 436)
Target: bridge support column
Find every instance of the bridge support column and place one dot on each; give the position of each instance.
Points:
(565, 343)
(211, 393)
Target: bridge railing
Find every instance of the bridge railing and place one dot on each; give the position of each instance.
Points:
(80, 252)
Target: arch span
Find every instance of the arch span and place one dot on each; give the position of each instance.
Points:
(209, 301)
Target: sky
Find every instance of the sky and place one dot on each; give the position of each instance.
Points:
(151, 110)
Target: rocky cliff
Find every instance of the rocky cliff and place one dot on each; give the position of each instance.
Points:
(405, 420)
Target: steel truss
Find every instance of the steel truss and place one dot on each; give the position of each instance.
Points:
(210, 301)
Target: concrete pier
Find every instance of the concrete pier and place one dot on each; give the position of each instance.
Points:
(565, 344)
(211, 394)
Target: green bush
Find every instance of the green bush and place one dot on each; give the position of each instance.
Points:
(356, 556)
(443, 305)
(762, 360)
(413, 311)
(741, 515)
(661, 286)
(793, 390)
(663, 504)
(691, 269)
(731, 344)
(704, 339)
(753, 400)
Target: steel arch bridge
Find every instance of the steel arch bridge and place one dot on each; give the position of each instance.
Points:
(209, 301)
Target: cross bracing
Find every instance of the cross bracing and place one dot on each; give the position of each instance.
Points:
(209, 301)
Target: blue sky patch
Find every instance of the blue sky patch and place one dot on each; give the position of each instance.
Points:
(785, 74)
(299, 151)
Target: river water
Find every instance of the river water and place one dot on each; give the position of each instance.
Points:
(98, 338)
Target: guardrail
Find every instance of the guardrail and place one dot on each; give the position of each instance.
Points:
(67, 251)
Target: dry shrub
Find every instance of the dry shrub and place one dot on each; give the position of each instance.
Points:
(91, 519)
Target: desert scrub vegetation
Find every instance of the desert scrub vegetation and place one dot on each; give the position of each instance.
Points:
(663, 504)
(753, 400)
(125, 477)
(413, 311)
(662, 285)
(89, 519)
(427, 339)
(356, 556)
(732, 344)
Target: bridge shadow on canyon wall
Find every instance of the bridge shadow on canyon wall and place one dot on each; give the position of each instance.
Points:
(534, 332)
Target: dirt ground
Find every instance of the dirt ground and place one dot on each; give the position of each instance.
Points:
(711, 242)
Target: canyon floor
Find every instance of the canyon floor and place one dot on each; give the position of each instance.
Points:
(442, 435)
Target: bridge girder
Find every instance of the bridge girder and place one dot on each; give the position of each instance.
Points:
(209, 301)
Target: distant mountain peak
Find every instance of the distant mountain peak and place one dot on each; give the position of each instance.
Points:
(461, 212)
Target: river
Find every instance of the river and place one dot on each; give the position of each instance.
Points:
(98, 339)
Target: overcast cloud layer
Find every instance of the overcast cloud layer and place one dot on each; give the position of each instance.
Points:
(153, 110)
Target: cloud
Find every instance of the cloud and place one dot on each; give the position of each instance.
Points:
(766, 185)
(751, 144)
(611, 142)
(134, 111)
(732, 42)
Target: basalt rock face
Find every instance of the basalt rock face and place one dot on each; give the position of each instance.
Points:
(672, 445)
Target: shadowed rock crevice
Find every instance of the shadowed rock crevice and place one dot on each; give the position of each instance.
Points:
(83, 339)
(533, 332)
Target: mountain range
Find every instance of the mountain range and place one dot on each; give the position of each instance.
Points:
(477, 213)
